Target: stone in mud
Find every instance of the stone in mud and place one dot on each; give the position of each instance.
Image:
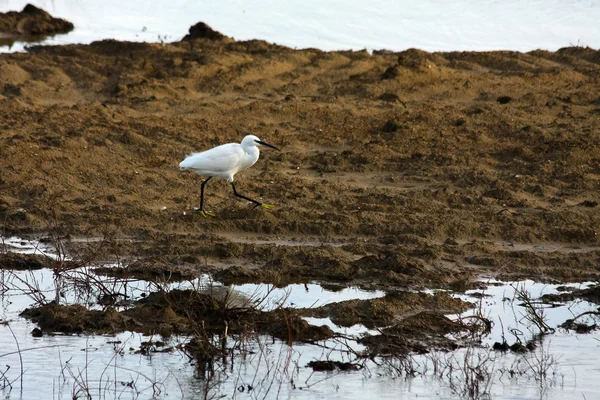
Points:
(389, 97)
(390, 126)
(328, 365)
(37, 332)
(390, 73)
(518, 347)
(499, 193)
(504, 99)
(501, 346)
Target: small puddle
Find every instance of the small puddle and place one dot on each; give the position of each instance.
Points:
(19, 245)
(303, 296)
(563, 364)
(282, 241)
(548, 247)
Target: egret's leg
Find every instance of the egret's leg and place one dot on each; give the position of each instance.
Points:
(202, 192)
(256, 203)
(201, 209)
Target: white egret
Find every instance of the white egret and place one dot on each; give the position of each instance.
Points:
(224, 162)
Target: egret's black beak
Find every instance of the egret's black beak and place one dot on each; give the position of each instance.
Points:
(266, 144)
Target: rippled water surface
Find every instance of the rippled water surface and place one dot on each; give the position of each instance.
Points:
(382, 24)
(563, 366)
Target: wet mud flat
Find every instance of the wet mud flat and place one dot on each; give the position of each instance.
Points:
(409, 168)
(416, 176)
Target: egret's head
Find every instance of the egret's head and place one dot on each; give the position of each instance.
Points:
(252, 140)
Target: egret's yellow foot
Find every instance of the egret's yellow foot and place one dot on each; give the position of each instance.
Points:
(267, 206)
(205, 213)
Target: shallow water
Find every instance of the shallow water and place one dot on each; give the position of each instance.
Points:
(52, 364)
(60, 365)
(19, 245)
(384, 24)
(303, 296)
(575, 371)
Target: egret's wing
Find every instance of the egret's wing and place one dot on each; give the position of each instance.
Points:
(220, 159)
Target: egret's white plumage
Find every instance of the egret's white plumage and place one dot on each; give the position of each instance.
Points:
(224, 162)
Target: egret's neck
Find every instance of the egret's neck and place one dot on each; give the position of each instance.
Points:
(252, 151)
(251, 157)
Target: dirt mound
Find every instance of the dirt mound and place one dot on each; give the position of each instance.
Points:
(53, 317)
(32, 21)
(591, 294)
(416, 334)
(385, 311)
(333, 365)
(184, 312)
(203, 31)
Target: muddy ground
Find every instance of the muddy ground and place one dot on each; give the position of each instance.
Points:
(407, 169)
